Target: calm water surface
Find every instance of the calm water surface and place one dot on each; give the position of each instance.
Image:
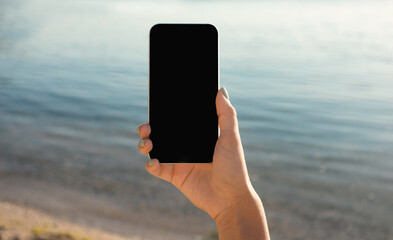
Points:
(312, 83)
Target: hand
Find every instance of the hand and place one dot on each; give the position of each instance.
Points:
(221, 188)
(211, 187)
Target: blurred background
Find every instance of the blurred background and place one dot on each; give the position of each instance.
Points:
(311, 80)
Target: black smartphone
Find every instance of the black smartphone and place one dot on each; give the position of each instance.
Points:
(183, 84)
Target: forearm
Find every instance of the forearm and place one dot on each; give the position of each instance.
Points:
(244, 220)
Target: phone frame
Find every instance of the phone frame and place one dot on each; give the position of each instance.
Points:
(218, 74)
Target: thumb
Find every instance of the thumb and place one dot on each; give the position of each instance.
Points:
(227, 119)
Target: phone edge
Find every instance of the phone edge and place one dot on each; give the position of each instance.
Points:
(218, 79)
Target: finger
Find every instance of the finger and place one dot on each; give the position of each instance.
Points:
(144, 130)
(145, 146)
(157, 169)
(227, 119)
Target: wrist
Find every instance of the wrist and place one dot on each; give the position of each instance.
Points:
(243, 219)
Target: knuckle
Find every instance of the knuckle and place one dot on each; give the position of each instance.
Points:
(230, 111)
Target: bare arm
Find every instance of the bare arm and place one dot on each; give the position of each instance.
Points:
(243, 220)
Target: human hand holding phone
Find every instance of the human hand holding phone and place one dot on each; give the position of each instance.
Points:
(221, 188)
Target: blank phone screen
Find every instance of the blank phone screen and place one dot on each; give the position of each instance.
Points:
(183, 84)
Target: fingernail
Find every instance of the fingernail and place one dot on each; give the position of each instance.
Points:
(142, 143)
(150, 163)
(139, 132)
(224, 92)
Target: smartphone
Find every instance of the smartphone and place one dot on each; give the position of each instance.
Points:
(183, 84)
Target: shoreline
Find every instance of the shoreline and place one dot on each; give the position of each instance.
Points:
(24, 223)
(87, 211)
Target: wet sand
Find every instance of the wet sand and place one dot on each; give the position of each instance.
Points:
(24, 223)
(313, 211)
(85, 212)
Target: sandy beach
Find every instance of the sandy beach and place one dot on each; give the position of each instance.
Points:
(23, 223)
(86, 214)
